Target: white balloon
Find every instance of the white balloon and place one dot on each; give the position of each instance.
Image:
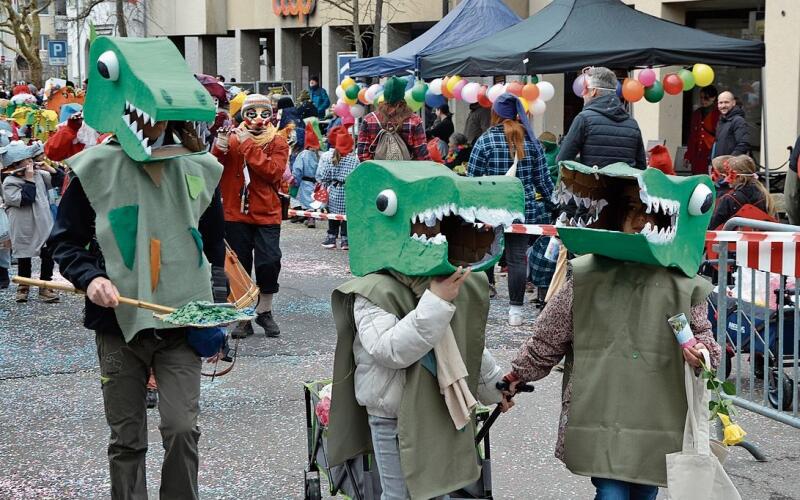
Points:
(339, 92)
(435, 86)
(538, 108)
(372, 92)
(357, 110)
(495, 91)
(470, 92)
(546, 91)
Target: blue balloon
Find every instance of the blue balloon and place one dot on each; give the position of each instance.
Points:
(434, 101)
(619, 89)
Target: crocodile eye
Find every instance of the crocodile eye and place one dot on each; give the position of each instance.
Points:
(386, 202)
(108, 65)
(701, 201)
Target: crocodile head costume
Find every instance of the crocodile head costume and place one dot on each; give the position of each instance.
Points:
(420, 219)
(129, 94)
(593, 200)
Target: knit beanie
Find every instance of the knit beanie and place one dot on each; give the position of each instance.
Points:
(256, 101)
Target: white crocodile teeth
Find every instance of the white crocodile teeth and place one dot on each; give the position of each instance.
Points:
(146, 117)
(140, 135)
(134, 128)
(647, 229)
(127, 120)
(148, 150)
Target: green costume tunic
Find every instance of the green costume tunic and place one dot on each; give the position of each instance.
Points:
(147, 230)
(628, 405)
(435, 457)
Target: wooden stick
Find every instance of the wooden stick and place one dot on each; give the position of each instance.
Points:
(66, 287)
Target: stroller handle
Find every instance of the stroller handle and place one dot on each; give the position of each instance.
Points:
(526, 387)
(502, 386)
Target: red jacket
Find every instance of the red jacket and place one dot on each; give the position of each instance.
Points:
(266, 167)
(61, 145)
(701, 138)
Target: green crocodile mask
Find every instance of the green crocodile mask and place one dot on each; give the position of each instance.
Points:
(669, 231)
(421, 219)
(135, 84)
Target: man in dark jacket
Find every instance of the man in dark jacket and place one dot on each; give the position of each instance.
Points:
(603, 133)
(478, 120)
(732, 136)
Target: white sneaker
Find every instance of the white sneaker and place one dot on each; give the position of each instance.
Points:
(514, 319)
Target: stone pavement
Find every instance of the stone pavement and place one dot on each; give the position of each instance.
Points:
(53, 433)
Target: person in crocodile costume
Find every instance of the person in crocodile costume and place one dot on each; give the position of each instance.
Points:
(410, 349)
(640, 238)
(141, 219)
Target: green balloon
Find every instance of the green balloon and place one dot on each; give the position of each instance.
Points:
(534, 79)
(655, 92)
(688, 79)
(352, 92)
(419, 91)
(413, 104)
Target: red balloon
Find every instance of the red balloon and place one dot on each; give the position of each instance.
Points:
(632, 90)
(530, 92)
(673, 84)
(515, 88)
(482, 99)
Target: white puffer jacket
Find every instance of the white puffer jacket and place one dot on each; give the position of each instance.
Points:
(385, 346)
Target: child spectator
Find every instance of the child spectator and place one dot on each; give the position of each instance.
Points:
(458, 153)
(304, 171)
(745, 189)
(25, 186)
(334, 167)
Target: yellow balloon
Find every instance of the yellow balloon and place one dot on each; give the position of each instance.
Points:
(347, 83)
(350, 102)
(703, 75)
(525, 103)
(451, 83)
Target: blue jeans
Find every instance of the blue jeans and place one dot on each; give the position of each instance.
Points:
(387, 456)
(612, 489)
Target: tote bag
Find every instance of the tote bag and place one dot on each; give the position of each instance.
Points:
(695, 472)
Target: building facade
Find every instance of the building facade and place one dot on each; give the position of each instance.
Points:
(293, 39)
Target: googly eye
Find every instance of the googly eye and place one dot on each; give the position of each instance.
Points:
(108, 65)
(701, 201)
(386, 202)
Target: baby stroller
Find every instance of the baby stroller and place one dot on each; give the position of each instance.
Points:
(747, 332)
(358, 478)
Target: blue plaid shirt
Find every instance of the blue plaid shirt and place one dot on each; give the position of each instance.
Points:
(490, 156)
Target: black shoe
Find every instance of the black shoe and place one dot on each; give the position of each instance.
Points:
(152, 398)
(4, 280)
(242, 330)
(265, 321)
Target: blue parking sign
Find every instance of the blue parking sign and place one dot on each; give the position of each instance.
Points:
(57, 52)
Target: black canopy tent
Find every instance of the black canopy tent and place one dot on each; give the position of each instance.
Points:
(567, 35)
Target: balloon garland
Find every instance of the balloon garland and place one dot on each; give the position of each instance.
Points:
(534, 94)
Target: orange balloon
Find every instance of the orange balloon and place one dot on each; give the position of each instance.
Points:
(514, 88)
(632, 90)
(362, 98)
(530, 92)
(482, 99)
(445, 91)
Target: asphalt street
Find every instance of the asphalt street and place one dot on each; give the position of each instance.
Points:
(53, 433)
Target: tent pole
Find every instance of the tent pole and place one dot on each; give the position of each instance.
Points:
(765, 142)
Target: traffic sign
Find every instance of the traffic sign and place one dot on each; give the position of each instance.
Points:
(343, 63)
(57, 52)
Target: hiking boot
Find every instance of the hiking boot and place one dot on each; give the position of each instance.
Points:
(22, 293)
(265, 321)
(243, 329)
(47, 295)
(152, 398)
(492, 291)
(343, 245)
(330, 242)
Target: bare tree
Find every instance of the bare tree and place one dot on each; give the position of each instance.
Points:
(20, 19)
(370, 12)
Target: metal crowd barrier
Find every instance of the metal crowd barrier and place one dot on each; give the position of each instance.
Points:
(758, 325)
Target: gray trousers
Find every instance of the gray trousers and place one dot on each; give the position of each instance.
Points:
(124, 371)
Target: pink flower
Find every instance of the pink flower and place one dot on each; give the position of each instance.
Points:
(323, 410)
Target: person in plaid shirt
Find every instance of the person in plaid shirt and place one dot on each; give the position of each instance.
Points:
(393, 110)
(493, 154)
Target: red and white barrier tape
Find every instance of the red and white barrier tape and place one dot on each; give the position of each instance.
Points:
(316, 215)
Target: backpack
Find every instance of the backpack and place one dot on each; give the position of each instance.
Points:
(388, 144)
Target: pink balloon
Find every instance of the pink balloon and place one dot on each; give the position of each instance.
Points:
(578, 85)
(458, 88)
(470, 92)
(647, 77)
(341, 109)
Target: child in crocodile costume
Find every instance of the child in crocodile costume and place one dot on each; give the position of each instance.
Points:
(141, 219)
(640, 234)
(410, 351)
